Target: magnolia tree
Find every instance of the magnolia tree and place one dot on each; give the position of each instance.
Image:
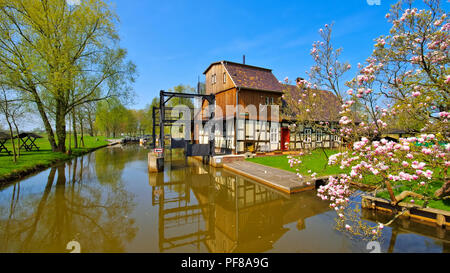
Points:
(328, 70)
(406, 75)
(306, 102)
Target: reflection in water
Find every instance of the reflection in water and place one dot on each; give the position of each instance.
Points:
(108, 202)
(406, 231)
(231, 213)
(68, 207)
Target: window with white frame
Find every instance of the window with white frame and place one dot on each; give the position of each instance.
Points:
(308, 133)
(224, 77)
(319, 135)
(336, 138)
(274, 134)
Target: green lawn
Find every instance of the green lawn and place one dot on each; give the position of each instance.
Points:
(43, 157)
(316, 162)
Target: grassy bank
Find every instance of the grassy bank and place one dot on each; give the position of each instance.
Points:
(29, 162)
(316, 162)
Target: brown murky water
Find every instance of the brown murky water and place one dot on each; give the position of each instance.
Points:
(108, 202)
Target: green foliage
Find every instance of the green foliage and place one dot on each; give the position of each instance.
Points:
(316, 161)
(181, 101)
(147, 123)
(110, 117)
(62, 56)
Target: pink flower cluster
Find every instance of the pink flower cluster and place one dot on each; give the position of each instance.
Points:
(337, 192)
(392, 160)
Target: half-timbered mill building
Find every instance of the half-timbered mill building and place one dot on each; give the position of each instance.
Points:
(240, 87)
(317, 128)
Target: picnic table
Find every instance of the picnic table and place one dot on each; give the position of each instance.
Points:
(3, 138)
(28, 141)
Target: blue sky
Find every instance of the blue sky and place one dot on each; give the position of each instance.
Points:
(173, 42)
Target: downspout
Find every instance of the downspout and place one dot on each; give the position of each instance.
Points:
(236, 121)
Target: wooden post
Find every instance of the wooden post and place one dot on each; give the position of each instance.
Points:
(161, 119)
(155, 162)
(154, 127)
(440, 220)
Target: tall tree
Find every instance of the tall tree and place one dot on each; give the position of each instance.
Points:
(49, 48)
(111, 117)
(148, 119)
(11, 108)
(409, 69)
(328, 70)
(182, 101)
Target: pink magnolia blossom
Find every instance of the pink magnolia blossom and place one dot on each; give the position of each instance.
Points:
(444, 114)
(428, 174)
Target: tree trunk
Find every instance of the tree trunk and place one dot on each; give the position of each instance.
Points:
(444, 191)
(12, 139)
(47, 125)
(5, 109)
(74, 128)
(60, 128)
(405, 194)
(391, 192)
(91, 124)
(81, 131)
(17, 132)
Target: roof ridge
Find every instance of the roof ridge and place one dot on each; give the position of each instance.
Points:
(312, 89)
(235, 63)
(231, 77)
(247, 65)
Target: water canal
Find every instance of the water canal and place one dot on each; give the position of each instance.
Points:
(108, 202)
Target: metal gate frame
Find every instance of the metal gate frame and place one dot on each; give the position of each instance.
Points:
(164, 98)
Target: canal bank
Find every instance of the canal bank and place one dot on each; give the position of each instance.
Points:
(58, 158)
(430, 216)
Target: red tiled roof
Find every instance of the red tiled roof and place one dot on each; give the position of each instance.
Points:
(327, 106)
(250, 77)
